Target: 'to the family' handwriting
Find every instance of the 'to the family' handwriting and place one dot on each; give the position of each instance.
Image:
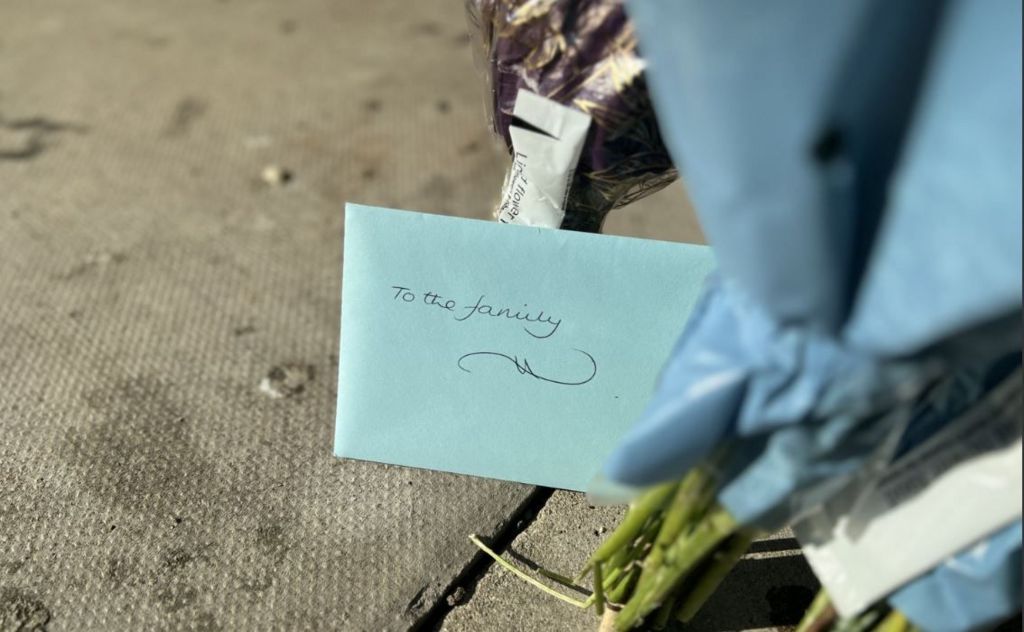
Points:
(543, 325)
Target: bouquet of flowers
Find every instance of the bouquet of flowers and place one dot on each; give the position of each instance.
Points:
(582, 55)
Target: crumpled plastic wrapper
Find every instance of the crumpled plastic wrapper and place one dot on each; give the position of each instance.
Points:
(582, 54)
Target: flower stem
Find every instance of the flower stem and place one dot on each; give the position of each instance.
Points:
(523, 576)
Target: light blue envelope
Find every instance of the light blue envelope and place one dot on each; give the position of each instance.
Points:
(498, 350)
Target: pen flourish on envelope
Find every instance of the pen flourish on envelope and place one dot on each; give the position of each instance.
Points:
(523, 366)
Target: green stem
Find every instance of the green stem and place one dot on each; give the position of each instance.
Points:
(598, 589)
(679, 560)
(634, 521)
(618, 593)
(863, 622)
(723, 560)
(893, 622)
(690, 501)
(523, 576)
(664, 612)
(557, 577)
(619, 560)
(818, 614)
(688, 505)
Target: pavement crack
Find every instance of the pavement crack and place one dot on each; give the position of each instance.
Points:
(417, 601)
(465, 583)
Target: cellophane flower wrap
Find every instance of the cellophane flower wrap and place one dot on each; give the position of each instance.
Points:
(582, 54)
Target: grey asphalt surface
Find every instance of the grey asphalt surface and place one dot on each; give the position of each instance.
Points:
(151, 281)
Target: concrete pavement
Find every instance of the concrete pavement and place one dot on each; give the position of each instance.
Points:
(169, 318)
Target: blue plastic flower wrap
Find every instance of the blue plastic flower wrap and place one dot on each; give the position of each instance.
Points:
(856, 167)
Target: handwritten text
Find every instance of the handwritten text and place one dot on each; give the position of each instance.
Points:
(541, 325)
